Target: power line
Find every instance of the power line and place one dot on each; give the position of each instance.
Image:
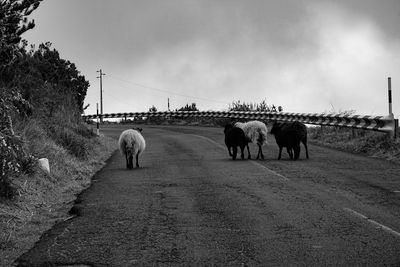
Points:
(113, 96)
(166, 91)
(121, 86)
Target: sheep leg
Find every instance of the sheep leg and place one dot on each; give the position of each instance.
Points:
(234, 152)
(137, 160)
(305, 145)
(260, 153)
(229, 150)
(129, 162)
(248, 151)
(296, 152)
(126, 159)
(290, 152)
(280, 153)
(242, 152)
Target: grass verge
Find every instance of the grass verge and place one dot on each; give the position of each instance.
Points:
(357, 141)
(43, 199)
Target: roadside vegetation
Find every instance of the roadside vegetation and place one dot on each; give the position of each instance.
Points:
(357, 141)
(41, 101)
(364, 142)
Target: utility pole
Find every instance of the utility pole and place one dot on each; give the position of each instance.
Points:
(391, 116)
(97, 121)
(390, 97)
(101, 94)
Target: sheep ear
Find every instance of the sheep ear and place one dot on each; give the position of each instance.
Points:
(139, 129)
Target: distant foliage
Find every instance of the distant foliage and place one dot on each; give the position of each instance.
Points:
(188, 107)
(262, 106)
(153, 109)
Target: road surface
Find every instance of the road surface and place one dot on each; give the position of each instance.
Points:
(189, 204)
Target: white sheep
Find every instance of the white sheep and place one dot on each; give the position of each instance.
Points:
(256, 132)
(131, 143)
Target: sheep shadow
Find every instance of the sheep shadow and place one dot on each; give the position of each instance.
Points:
(242, 160)
(133, 169)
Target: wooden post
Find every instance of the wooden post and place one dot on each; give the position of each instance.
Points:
(391, 116)
(98, 130)
(101, 93)
(390, 97)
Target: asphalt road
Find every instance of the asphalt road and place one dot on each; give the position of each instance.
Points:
(190, 205)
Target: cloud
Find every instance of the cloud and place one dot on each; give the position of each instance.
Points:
(304, 55)
(231, 51)
(354, 59)
(329, 58)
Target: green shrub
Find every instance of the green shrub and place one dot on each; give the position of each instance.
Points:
(84, 131)
(73, 137)
(66, 137)
(13, 161)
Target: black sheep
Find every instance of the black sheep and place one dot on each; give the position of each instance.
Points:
(289, 135)
(234, 137)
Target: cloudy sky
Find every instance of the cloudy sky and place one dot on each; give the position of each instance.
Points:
(305, 55)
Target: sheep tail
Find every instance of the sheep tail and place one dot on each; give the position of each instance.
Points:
(262, 137)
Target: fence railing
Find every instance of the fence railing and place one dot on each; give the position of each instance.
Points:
(376, 123)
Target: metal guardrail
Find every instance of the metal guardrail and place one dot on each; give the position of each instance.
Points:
(376, 123)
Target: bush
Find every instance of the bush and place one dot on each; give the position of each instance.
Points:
(14, 160)
(83, 131)
(262, 106)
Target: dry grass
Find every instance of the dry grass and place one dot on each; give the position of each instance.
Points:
(44, 199)
(370, 143)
